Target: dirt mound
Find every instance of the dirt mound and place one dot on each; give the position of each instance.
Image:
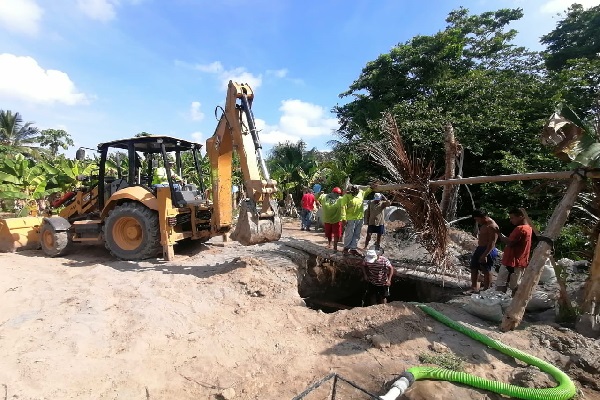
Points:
(221, 321)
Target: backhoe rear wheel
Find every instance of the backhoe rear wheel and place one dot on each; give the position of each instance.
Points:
(54, 243)
(131, 232)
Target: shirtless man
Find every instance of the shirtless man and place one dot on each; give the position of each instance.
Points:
(483, 257)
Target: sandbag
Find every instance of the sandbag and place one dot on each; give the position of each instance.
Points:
(548, 273)
(540, 301)
(488, 305)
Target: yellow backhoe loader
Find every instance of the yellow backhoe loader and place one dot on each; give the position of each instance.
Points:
(139, 214)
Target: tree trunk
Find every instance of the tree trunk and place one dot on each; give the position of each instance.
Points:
(514, 314)
(449, 173)
(588, 323)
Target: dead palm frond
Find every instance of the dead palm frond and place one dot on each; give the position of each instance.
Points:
(419, 200)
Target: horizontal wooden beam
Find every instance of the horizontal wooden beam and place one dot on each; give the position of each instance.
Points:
(487, 179)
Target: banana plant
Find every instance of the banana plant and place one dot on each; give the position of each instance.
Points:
(575, 140)
(23, 178)
(65, 172)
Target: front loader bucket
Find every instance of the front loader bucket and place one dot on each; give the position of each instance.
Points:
(19, 233)
(250, 229)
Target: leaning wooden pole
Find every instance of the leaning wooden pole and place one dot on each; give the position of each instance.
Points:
(514, 313)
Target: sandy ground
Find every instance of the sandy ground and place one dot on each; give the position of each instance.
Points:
(222, 321)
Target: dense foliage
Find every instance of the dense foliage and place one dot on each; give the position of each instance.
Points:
(472, 75)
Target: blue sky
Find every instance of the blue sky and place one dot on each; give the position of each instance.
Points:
(108, 69)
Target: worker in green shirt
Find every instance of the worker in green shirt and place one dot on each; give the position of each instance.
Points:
(333, 215)
(160, 176)
(354, 212)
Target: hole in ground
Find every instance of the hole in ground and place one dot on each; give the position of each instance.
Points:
(329, 287)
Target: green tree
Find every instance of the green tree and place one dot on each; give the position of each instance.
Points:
(55, 139)
(575, 37)
(573, 58)
(471, 75)
(292, 166)
(19, 136)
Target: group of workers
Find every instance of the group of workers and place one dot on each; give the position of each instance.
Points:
(343, 218)
(344, 215)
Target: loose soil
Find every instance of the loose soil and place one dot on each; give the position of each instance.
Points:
(224, 321)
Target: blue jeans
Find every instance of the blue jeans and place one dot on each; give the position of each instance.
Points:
(352, 233)
(305, 218)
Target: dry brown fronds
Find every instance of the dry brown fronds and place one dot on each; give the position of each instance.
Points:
(419, 201)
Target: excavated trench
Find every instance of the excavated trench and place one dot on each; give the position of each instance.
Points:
(331, 286)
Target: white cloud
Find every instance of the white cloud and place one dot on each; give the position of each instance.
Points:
(278, 73)
(239, 74)
(101, 10)
(197, 137)
(213, 68)
(556, 6)
(195, 112)
(299, 120)
(21, 16)
(23, 78)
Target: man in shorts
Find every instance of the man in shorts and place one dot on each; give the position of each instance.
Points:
(333, 215)
(375, 219)
(483, 257)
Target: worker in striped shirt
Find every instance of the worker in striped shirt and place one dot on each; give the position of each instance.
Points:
(378, 272)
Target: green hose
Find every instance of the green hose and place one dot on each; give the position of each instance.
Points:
(565, 389)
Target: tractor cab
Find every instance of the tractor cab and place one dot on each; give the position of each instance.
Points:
(152, 162)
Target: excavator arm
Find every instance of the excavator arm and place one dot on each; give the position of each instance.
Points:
(258, 220)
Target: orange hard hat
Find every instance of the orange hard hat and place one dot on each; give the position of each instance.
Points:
(337, 190)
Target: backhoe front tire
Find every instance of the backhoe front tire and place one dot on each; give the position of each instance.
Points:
(131, 232)
(54, 244)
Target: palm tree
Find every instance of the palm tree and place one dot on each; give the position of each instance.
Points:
(292, 166)
(18, 135)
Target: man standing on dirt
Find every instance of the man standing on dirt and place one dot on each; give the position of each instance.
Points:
(333, 214)
(378, 272)
(516, 253)
(354, 210)
(375, 219)
(483, 257)
(308, 206)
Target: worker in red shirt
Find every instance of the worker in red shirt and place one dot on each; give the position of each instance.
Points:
(516, 253)
(308, 205)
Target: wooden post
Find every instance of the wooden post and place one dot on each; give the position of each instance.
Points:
(447, 196)
(587, 324)
(561, 175)
(514, 313)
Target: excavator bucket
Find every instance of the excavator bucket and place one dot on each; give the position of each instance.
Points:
(251, 229)
(19, 233)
